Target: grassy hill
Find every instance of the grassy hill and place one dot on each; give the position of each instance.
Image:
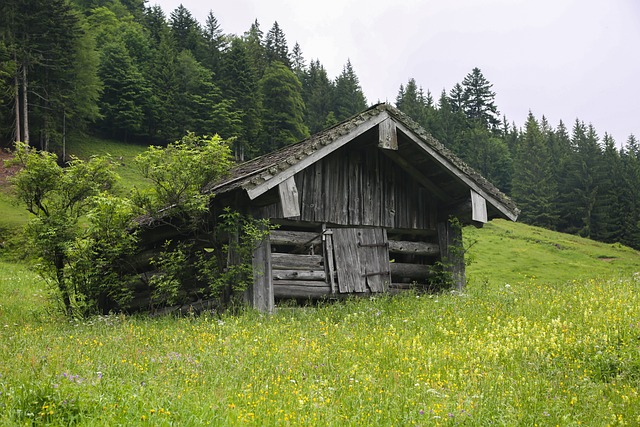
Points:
(507, 252)
(546, 334)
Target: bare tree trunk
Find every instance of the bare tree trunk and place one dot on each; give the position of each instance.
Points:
(17, 104)
(25, 105)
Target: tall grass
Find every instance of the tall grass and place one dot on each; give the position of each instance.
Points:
(523, 353)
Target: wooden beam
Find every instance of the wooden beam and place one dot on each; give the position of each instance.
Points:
(453, 170)
(289, 198)
(329, 263)
(417, 175)
(287, 237)
(410, 271)
(261, 294)
(478, 208)
(282, 261)
(299, 275)
(416, 248)
(301, 291)
(317, 155)
(387, 135)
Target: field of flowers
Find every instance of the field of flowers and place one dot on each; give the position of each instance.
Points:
(522, 353)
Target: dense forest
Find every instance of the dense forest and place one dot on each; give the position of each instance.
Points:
(126, 71)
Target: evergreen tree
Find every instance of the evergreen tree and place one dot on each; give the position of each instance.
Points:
(488, 154)
(283, 112)
(298, 63)
(126, 91)
(215, 44)
(349, 98)
(630, 194)
(534, 186)
(240, 86)
(580, 186)
(449, 124)
(478, 100)
(409, 102)
(187, 33)
(275, 45)
(255, 48)
(317, 92)
(608, 210)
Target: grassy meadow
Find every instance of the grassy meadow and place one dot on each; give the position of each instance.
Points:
(547, 333)
(517, 350)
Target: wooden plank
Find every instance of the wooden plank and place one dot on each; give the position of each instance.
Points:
(262, 298)
(478, 208)
(410, 271)
(350, 271)
(307, 283)
(329, 262)
(299, 275)
(454, 171)
(354, 190)
(452, 253)
(289, 201)
(289, 237)
(387, 135)
(417, 248)
(374, 256)
(293, 291)
(282, 261)
(317, 155)
(417, 175)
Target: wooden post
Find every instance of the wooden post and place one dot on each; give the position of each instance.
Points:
(289, 198)
(328, 254)
(478, 208)
(388, 137)
(261, 293)
(452, 252)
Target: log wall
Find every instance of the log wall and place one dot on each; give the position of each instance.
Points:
(360, 187)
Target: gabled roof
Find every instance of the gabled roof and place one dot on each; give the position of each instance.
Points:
(261, 174)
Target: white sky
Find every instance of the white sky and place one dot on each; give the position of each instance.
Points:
(564, 59)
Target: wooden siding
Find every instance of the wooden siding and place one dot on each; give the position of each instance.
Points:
(361, 187)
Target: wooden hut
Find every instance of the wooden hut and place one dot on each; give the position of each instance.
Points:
(364, 207)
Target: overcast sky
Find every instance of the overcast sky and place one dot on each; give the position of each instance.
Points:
(564, 59)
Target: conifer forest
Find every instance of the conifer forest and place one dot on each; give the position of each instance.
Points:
(135, 73)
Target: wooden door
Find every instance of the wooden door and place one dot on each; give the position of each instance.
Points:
(362, 259)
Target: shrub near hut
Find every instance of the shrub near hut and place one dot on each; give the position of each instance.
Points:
(93, 267)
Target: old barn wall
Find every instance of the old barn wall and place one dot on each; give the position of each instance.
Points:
(360, 187)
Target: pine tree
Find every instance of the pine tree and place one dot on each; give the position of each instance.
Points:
(240, 86)
(283, 108)
(456, 98)
(298, 63)
(187, 33)
(534, 185)
(449, 124)
(630, 194)
(215, 44)
(410, 100)
(125, 95)
(349, 98)
(317, 91)
(478, 100)
(608, 210)
(580, 186)
(255, 48)
(275, 45)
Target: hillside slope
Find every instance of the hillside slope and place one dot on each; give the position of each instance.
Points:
(504, 252)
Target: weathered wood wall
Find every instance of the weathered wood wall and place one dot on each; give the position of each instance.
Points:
(360, 187)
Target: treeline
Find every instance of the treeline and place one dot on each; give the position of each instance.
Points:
(130, 72)
(568, 180)
(127, 71)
